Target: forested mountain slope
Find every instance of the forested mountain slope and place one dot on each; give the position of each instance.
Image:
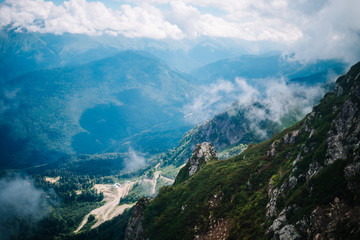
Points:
(303, 183)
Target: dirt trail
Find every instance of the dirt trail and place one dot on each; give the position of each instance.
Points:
(167, 179)
(111, 208)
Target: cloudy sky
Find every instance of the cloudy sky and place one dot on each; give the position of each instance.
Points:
(320, 29)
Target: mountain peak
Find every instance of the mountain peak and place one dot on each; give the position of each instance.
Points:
(202, 154)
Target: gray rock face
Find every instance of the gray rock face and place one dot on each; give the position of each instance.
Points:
(345, 135)
(277, 223)
(272, 152)
(338, 90)
(314, 168)
(281, 229)
(339, 217)
(271, 205)
(203, 153)
(134, 229)
(291, 136)
(288, 232)
(351, 171)
(324, 222)
(292, 182)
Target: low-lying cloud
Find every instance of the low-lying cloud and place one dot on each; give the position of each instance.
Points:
(282, 101)
(134, 160)
(216, 97)
(21, 202)
(264, 99)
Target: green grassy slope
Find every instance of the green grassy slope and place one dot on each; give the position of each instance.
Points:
(235, 191)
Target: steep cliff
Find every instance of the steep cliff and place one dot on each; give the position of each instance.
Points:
(303, 183)
(319, 199)
(134, 229)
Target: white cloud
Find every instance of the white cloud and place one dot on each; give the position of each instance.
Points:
(134, 160)
(211, 100)
(332, 32)
(184, 19)
(281, 101)
(20, 200)
(93, 18)
(321, 29)
(310, 29)
(274, 101)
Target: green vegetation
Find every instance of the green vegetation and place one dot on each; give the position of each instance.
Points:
(139, 189)
(232, 151)
(170, 171)
(237, 188)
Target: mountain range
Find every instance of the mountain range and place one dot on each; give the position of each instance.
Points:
(302, 183)
(23, 51)
(179, 120)
(73, 116)
(124, 118)
(130, 100)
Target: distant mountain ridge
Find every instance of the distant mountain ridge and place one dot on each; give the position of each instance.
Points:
(268, 66)
(23, 52)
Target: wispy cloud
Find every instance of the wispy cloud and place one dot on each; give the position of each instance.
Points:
(217, 97)
(272, 99)
(134, 160)
(20, 201)
(281, 101)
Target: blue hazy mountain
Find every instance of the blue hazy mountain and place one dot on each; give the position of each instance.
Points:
(23, 52)
(268, 66)
(79, 94)
(109, 105)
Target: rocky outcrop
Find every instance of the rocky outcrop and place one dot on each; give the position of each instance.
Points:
(331, 221)
(281, 229)
(273, 194)
(341, 216)
(218, 229)
(203, 153)
(134, 229)
(346, 133)
(290, 137)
